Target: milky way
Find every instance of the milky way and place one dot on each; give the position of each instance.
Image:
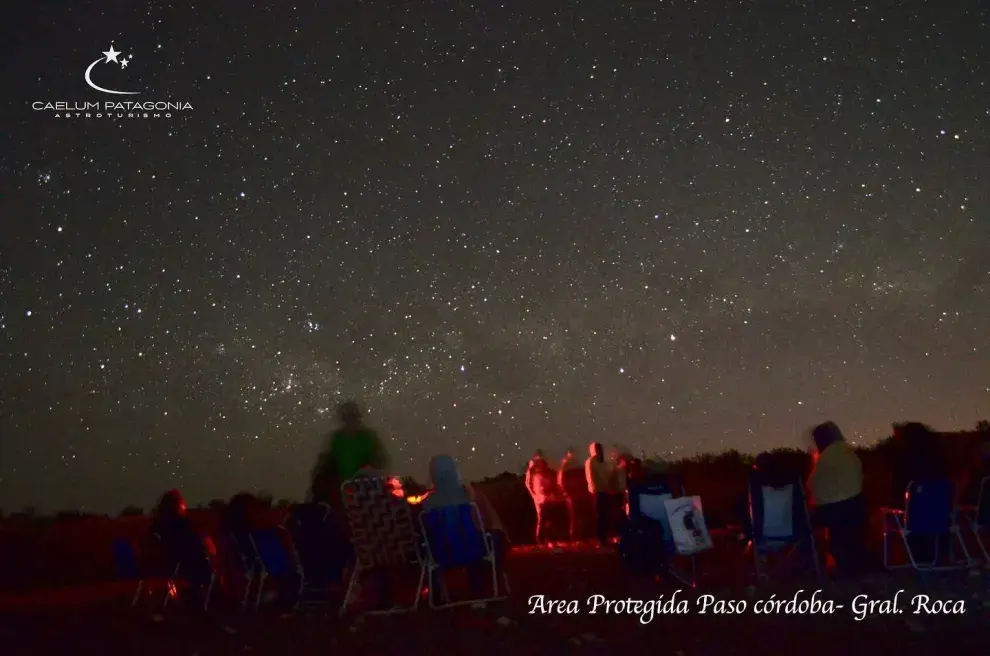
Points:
(498, 227)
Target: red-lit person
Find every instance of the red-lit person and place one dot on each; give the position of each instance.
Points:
(599, 477)
(182, 545)
(540, 483)
(572, 484)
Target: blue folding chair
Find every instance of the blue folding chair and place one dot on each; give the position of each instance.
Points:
(781, 525)
(129, 568)
(276, 561)
(929, 513)
(455, 538)
(646, 503)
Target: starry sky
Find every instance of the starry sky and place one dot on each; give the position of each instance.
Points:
(680, 226)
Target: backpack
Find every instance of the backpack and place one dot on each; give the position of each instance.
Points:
(641, 546)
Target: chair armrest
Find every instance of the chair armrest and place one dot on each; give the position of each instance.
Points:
(891, 511)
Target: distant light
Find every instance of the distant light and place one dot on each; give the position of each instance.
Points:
(673, 338)
(29, 313)
(60, 227)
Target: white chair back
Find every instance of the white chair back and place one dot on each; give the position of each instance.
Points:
(778, 512)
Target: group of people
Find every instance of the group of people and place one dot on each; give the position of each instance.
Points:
(314, 530)
(592, 488)
(835, 486)
(595, 489)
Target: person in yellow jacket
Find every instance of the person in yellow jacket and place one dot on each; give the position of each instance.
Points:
(836, 485)
(598, 473)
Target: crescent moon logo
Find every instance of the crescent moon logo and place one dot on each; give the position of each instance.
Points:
(89, 79)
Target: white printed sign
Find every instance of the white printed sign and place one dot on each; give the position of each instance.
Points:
(687, 525)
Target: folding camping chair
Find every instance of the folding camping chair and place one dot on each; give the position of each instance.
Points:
(928, 513)
(383, 534)
(781, 525)
(246, 561)
(979, 518)
(455, 539)
(648, 502)
(130, 568)
(320, 547)
(275, 560)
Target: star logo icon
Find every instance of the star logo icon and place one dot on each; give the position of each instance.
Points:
(111, 55)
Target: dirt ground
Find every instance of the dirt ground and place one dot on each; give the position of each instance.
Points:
(78, 621)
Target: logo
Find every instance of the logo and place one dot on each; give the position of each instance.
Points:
(111, 58)
(111, 109)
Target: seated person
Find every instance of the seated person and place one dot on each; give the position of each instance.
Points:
(449, 490)
(970, 494)
(182, 544)
(237, 524)
(917, 457)
(321, 542)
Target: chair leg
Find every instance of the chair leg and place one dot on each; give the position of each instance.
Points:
(978, 534)
(432, 574)
(760, 574)
(350, 589)
(815, 560)
(170, 587)
(248, 581)
(137, 592)
(419, 586)
(261, 589)
(302, 587)
(209, 591)
(968, 560)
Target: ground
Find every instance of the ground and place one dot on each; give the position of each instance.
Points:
(78, 621)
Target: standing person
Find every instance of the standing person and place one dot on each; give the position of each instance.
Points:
(836, 485)
(540, 484)
(350, 449)
(598, 475)
(572, 484)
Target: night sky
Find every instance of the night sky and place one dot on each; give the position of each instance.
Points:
(671, 225)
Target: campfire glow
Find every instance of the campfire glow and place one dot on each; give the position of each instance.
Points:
(415, 499)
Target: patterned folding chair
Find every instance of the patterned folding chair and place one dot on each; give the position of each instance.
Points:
(276, 561)
(383, 534)
(129, 568)
(455, 539)
(781, 526)
(928, 513)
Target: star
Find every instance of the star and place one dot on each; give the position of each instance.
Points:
(124, 62)
(111, 55)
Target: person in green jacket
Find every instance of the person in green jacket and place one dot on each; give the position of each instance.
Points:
(351, 448)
